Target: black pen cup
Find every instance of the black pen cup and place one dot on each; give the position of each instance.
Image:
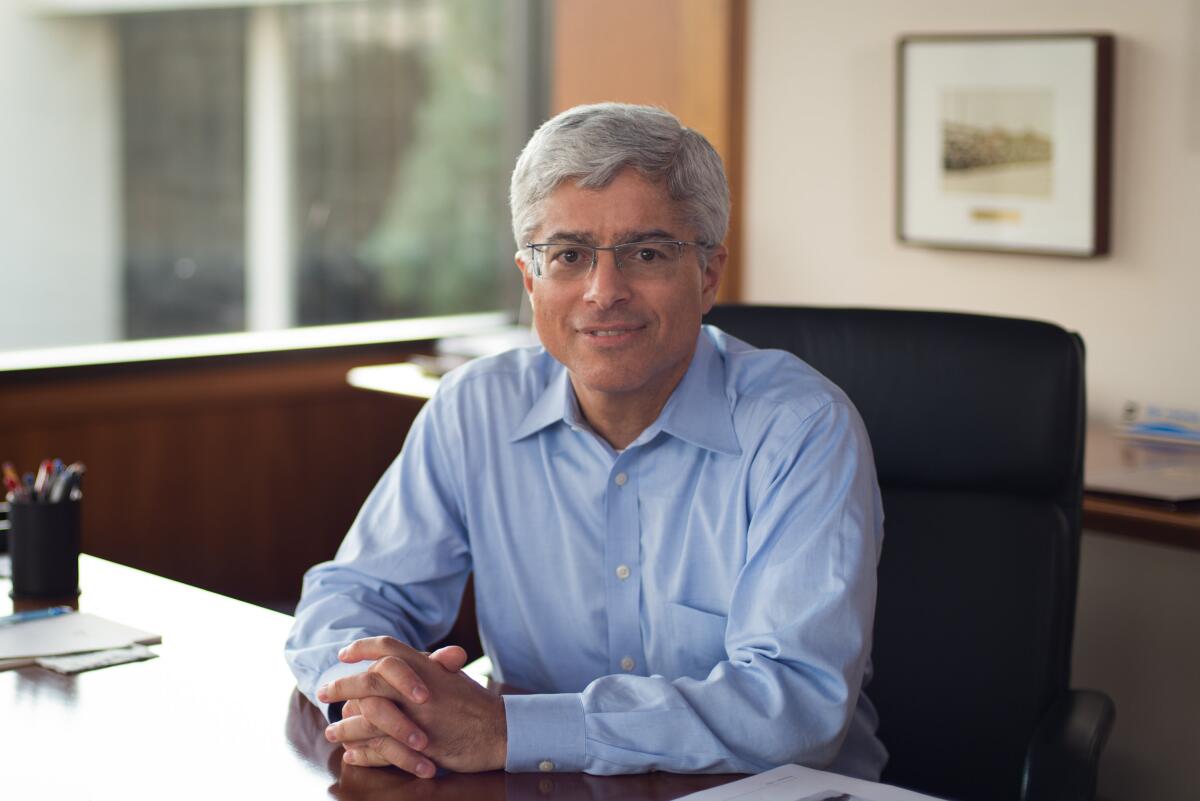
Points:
(43, 545)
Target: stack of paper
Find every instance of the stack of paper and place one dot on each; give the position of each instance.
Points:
(23, 644)
(794, 783)
(1152, 421)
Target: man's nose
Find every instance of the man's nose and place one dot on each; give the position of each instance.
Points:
(606, 284)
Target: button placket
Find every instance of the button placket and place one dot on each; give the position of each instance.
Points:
(621, 553)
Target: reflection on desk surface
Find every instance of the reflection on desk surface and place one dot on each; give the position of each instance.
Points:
(1154, 471)
(217, 715)
(1166, 523)
(304, 731)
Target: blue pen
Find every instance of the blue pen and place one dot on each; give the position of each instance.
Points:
(34, 614)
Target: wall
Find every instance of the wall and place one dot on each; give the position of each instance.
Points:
(820, 169)
(232, 473)
(819, 189)
(684, 55)
(59, 201)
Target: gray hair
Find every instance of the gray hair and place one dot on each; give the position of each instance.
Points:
(591, 144)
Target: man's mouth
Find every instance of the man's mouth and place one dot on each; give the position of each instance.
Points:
(612, 334)
(610, 330)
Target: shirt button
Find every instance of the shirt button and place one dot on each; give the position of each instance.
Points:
(623, 572)
(621, 479)
(545, 766)
(627, 664)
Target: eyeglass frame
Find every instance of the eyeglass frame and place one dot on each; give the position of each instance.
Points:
(538, 273)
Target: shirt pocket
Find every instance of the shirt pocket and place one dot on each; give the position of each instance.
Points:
(697, 640)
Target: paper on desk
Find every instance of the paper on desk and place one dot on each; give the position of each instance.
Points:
(22, 643)
(93, 660)
(794, 783)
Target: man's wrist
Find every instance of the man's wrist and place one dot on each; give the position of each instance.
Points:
(500, 757)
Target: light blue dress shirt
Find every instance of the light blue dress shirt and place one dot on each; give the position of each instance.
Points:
(699, 602)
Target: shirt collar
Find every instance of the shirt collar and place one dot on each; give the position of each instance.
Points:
(697, 412)
(557, 402)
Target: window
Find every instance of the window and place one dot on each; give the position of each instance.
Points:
(281, 166)
(183, 158)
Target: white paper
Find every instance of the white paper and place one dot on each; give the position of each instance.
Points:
(795, 783)
(68, 634)
(78, 663)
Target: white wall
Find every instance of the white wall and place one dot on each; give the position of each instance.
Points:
(59, 201)
(820, 182)
(820, 178)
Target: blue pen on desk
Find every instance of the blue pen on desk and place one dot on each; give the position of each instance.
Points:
(34, 614)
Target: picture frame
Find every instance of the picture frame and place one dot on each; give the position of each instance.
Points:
(1004, 142)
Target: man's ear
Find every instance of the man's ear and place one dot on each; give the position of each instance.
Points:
(711, 276)
(526, 272)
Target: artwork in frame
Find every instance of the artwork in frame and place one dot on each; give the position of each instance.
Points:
(1004, 142)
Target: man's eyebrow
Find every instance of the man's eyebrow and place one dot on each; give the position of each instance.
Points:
(576, 237)
(624, 237)
(651, 235)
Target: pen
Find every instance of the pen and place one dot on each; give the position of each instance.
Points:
(35, 614)
(43, 475)
(66, 482)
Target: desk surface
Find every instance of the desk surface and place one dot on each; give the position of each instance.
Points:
(1131, 517)
(216, 716)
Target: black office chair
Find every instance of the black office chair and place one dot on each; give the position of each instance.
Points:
(977, 424)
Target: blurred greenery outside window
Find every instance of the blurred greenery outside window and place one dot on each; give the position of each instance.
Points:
(396, 124)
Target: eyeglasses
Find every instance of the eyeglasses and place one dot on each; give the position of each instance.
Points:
(563, 261)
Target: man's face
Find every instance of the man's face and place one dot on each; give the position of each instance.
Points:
(626, 339)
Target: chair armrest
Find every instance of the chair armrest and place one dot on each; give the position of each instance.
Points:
(1064, 753)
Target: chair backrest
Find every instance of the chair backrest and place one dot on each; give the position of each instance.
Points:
(977, 427)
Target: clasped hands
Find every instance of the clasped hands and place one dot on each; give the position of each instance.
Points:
(416, 711)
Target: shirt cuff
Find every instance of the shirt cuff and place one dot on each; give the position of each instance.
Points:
(337, 671)
(545, 733)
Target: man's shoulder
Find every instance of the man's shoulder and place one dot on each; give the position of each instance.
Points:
(763, 380)
(519, 375)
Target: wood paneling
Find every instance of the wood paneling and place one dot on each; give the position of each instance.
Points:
(686, 56)
(234, 474)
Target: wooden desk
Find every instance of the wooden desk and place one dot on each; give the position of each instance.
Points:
(216, 716)
(1131, 517)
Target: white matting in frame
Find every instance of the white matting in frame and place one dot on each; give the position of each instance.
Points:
(1002, 145)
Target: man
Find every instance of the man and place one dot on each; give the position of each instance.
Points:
(674, 536)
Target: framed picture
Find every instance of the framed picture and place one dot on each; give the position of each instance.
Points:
(1004, 142)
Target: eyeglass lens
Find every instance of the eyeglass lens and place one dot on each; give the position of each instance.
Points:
(636, 259)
